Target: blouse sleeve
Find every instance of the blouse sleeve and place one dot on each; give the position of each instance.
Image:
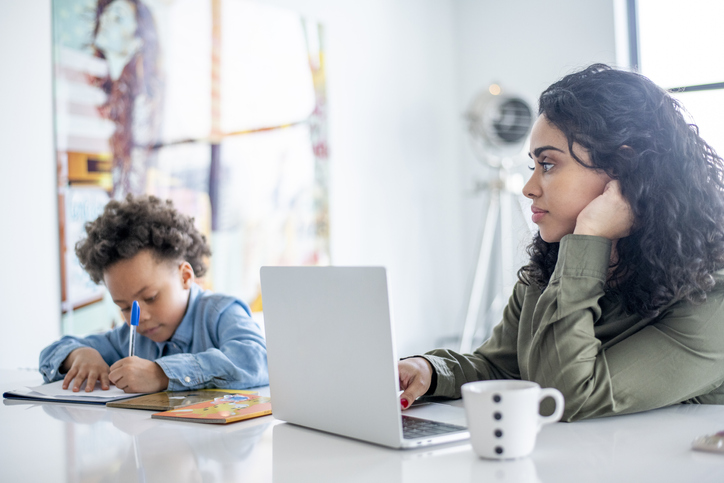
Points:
(497, 358)
(676, 357)
(673, 358)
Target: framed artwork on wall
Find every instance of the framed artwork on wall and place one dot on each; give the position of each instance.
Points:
(218, 105)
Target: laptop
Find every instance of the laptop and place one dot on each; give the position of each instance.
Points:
(333, 363)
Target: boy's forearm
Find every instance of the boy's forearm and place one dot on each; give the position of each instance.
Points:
(52, 359)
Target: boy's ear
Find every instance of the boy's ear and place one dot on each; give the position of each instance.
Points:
(187, 274)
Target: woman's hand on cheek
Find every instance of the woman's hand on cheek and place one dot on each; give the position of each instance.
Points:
(608, 215)
(134, 374)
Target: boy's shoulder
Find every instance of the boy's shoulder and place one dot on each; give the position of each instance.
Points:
(213, 304)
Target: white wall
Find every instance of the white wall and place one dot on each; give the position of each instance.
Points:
(400, 73)
(30, 291)
(524, 46)
(393, 139)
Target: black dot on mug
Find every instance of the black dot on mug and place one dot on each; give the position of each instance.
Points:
(496, 398)
(499, 449)
(498, 433)
(498, 416)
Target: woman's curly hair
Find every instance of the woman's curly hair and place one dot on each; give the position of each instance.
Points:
(137, 223)
(636, 133)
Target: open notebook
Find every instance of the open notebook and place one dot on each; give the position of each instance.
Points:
(54, 392)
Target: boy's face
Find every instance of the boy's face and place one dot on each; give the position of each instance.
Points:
(160, 287)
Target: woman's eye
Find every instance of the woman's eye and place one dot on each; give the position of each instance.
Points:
(544, 166)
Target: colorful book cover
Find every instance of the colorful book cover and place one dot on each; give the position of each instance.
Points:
(167, 400)
(222, 410)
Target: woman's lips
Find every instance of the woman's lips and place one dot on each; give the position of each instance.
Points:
(538, 214)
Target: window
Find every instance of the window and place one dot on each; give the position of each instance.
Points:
(679, 46)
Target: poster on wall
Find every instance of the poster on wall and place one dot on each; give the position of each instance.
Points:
(218, 105)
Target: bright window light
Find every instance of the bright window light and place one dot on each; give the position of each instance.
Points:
(681, 45)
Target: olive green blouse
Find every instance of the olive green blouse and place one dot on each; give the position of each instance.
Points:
(577, 338)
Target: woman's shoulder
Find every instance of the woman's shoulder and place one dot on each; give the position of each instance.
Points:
(709, 307)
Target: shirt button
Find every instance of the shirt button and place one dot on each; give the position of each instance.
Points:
(52, 371)
(187, 379)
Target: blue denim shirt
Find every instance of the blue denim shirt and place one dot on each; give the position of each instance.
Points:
(217, 344)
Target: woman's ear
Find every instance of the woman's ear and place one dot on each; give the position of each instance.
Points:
(627, 151)
(186, 271)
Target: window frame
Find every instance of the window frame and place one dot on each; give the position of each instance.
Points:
(634, 51)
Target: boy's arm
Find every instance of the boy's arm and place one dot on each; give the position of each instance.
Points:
(238, 362)
(53, 356)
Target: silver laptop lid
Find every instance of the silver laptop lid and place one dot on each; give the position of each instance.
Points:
(331, 352)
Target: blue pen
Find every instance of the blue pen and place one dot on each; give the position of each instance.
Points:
(135, 314)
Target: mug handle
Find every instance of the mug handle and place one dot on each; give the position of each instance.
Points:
(560, 405)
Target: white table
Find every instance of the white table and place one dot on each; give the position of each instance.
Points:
(51, 442)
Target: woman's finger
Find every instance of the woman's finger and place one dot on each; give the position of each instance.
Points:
(415, 378)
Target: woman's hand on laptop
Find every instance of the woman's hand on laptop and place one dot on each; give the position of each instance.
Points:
(415, 379)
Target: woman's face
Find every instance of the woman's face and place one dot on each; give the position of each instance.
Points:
(559, 187)
(117, 28)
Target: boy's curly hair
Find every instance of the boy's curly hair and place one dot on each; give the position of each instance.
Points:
(137, 223)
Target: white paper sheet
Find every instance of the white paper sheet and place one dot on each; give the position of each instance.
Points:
(55, 389)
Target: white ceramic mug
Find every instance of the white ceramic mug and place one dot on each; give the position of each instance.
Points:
(503, 416)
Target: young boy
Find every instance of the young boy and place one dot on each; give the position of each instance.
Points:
(142, 249)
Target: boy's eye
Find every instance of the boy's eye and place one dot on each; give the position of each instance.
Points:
(151, 299)
(127, 309)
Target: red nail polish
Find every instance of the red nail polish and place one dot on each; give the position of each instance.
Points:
(404, 403)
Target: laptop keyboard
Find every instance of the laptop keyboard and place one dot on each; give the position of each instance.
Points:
(413, 428)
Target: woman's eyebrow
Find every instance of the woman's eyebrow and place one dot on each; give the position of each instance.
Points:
(539, 150)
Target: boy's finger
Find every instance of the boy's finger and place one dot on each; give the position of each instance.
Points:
(91, 381)
(68, 378)
(78, 381)
(105, 381)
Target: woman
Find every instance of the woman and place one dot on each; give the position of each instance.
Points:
(621, 306)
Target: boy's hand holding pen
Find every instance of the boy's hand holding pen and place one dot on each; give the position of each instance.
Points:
(134, 374)
(131, 374)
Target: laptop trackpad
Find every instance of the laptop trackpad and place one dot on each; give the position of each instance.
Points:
(438, 412)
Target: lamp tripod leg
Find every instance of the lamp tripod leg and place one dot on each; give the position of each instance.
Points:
(482, 274)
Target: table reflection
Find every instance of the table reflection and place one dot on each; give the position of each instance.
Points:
(119, 445)
(303, 455)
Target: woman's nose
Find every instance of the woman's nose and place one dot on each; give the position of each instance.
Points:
(531, 189)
